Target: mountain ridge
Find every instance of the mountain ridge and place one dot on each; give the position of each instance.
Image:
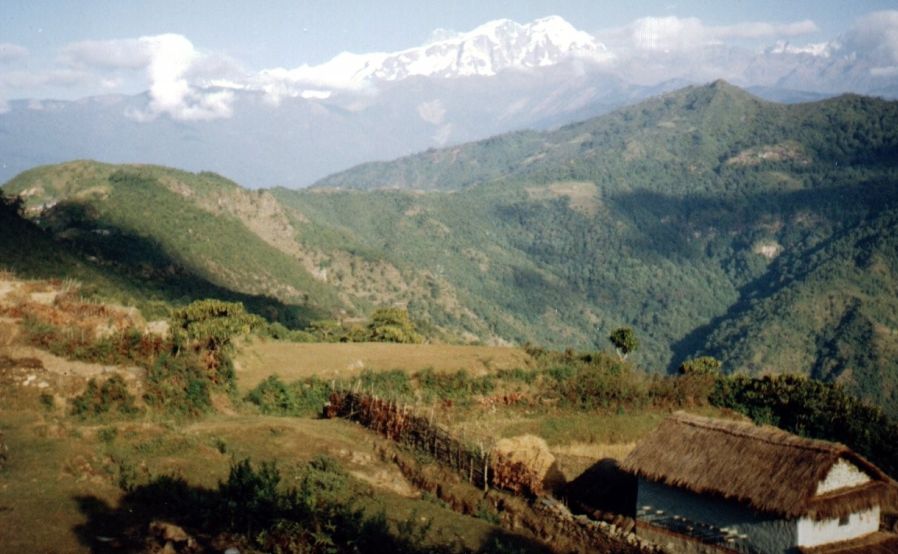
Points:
(688, 217)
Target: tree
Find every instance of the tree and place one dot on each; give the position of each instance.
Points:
(393, 325)
(624, 341)
(326, 330)
(12, 205)
(702, 365)
(211, 323)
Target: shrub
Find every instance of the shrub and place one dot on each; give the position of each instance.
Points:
(301, 398)
(211, 324)
(700, 365)
(453, 386)
(386, 384)
(178, 384)
(47, 401)
(111, 396)
(594, 380)
(392, 325)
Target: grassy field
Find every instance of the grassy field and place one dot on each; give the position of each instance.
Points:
(259, 359)
(66, 474)
(68, 481)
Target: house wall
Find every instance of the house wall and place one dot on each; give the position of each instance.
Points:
(842, 475)
(815, 533)
(763, 533)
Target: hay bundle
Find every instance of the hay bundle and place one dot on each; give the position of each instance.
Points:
(523, 465)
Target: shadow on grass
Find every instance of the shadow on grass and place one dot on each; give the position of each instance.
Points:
(73, 242)
(251, 515)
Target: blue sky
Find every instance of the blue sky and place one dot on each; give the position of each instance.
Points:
(36, 38)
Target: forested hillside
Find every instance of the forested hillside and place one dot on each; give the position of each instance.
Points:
(708, 220)
(165, 236)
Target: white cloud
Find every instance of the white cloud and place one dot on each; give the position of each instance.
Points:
(51, 78)
(171, 58)
(433, 112)
(175, 70)
(671, 34)
(875, 36)
(106, 54)
(760, 29)
(818, 49)
(11, 52)
(346, 71)
(886, 71)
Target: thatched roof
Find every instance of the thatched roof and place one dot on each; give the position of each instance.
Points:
(764, 467)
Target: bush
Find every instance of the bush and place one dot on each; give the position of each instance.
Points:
(459, 386)
(301, 398)
(212, 324)
(178, 384)
(680, 391)
(702, 365)
(111, 396)
(47, 401)
(594, 380)
(392, 325)
(393, 384)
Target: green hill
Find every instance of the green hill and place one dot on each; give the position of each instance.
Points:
(708, 220)
(166, 235)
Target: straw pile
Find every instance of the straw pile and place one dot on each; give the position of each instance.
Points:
(524, 465)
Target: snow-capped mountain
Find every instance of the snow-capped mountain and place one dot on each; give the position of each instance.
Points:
(493, 47)
(486, 50)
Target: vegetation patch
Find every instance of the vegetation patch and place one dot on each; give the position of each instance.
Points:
(110, 397)
(253, 509)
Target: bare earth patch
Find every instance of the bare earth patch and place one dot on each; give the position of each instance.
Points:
(582, 196)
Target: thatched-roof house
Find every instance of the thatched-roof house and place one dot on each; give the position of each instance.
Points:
(753, 488)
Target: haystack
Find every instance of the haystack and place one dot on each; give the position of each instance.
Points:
(524, 465)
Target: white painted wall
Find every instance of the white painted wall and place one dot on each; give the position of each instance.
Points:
(842, 475)
(815, 533)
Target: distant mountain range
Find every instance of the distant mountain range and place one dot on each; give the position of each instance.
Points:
(709, 220)
(291, 127)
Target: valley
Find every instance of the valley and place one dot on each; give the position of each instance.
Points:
(704, 219)
(174, 347)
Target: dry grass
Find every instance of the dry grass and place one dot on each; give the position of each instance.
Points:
(293, 361)
(582, 195)
(596, 451)
(55, 461)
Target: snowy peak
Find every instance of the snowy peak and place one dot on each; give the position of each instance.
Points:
(486, 50)
(493, 47)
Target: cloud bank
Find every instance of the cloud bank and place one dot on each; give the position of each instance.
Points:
(876, 35)
(670, 34)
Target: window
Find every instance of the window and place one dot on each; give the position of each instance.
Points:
(844, 520)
